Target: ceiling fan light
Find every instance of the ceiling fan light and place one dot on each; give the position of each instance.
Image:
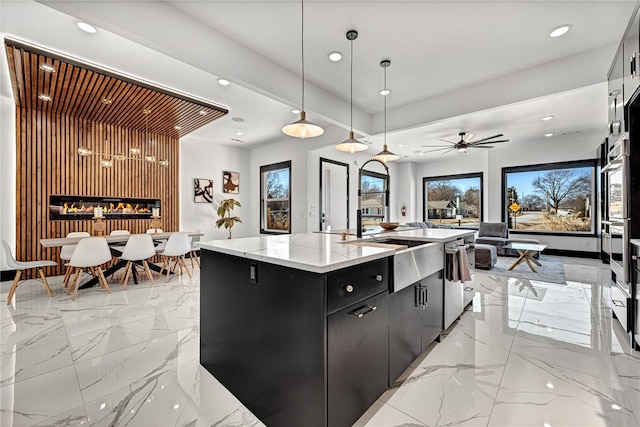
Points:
(302, 128)
(351, 145)
(462, 149)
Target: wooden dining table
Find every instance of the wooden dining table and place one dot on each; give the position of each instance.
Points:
(112, 240)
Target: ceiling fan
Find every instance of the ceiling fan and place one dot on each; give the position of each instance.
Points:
(466, 142)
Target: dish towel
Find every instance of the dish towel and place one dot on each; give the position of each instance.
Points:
(463, 264)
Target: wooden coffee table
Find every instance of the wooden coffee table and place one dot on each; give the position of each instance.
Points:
(527, 252)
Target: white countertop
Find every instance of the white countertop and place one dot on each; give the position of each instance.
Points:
(321, 253)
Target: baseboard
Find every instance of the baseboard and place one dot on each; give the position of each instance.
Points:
(576, 254)
(7, 275)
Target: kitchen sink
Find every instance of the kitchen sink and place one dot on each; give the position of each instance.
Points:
(420, 259)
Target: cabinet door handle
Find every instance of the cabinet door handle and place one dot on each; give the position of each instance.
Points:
(632, 64)
(418, 296)
(617, 303)
(362, 311)
(425, 293)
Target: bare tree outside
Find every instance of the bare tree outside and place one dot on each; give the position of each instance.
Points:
(563, 184)
(454, 201)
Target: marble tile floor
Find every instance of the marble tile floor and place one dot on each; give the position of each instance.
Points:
(525, 353)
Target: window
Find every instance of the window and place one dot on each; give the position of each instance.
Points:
(275, 198)
(373, 197)
(453, 199)
(550, 198)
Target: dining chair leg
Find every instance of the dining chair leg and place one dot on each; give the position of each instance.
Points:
(67, 275)
(46, 284)
(197, 257)
(104, 280)
(72, 281)
(14, 285)
(164, 263)
(127, 273)
(184, 263)
(77, 285)
(149, 275)
(168, 271)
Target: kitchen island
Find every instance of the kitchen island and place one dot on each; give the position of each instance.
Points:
(297, 326)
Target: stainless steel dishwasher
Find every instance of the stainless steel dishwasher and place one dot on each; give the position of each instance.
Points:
(457, 293)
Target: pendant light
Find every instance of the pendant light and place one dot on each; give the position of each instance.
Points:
(351, 144)
(302, 128)
(149, 157)
(385, 155)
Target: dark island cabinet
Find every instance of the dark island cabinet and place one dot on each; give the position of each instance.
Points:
(415, 321)
(267, 334)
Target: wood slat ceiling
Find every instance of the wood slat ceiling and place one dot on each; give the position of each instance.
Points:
(89, 93)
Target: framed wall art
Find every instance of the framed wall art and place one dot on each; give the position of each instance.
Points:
(202, 190)
(230, 182)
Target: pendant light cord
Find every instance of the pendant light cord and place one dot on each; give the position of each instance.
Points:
(351, 85)
(302, 56)
(385, 108)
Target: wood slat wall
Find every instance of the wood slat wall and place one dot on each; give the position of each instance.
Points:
(48, 163)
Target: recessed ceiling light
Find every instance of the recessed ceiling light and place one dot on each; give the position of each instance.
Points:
(550, 386)
(47, 68)
(560, 31)
(549, 134)
(238, 133)
(237, 119)
(87, 28)
(177, 127)
(385, 92)
(615, 407)
(422, 153)
(400, 145)
(203, 113)
(223, 82)
(335, 56)
(545, 118)
(44, 97)
(295, 111)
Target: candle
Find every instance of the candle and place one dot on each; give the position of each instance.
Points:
(155, 212)
(97, 212)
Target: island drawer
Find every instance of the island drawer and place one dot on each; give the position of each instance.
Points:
(353, 284)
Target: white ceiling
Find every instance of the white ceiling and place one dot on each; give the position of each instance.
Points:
(478, 66)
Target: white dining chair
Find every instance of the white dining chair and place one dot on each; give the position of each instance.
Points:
(21, 266)
(139, 247)
(194, 253)
(67, 251)
(90, 254)
(177, 247)
(117, 247)
(160, 246)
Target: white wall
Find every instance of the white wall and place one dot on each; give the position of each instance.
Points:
(7, 173)
(491, 162)
(208, 160)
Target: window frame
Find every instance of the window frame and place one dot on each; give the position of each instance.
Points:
(263, 202)
(427, 179)
(385, 191)
(592, 163)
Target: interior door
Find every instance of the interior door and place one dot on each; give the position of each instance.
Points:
(334, 195)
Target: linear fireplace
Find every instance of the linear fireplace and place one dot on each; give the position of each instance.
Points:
(86, 207)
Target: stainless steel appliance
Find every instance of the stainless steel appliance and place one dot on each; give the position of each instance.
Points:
(457, 293)
(618, 223)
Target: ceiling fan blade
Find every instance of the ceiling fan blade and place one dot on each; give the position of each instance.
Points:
(468, 137)
(450, 142)
(448, 151)
(432, 146)
(475, 146)
(488, 142)
(437, 149)
(488, 138)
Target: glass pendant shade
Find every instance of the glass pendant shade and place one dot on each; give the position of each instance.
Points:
(85, 152)
(119, 157)
(302, 128)
(134, 150)
(106, 163)
(385, 155)
(163, 162)
(150, 158)
(351, 145)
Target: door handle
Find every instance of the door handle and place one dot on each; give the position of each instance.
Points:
(617, 303)
(363, 311)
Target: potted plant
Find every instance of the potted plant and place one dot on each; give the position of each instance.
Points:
(224, 212)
